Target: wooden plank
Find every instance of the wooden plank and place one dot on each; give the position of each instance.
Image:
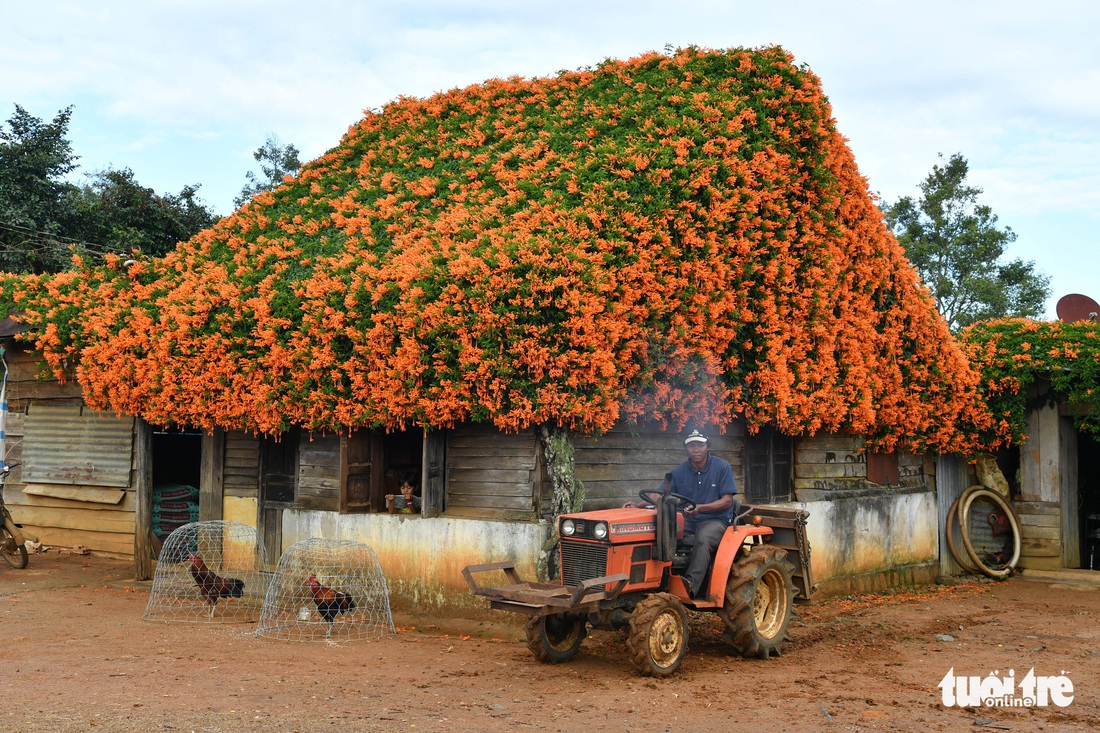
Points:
(77, 493)
(1037, 507)
(490, 513)
(830, 470)
(19, 498)
(495, 440)
(490, 502)
(839, 444)
(319, 487)
(1040, 520)
(590, 473)
(121, 544)
(489, 459)
(1030, 531)
(475, 488)
(307, 472)
(619, 456)
(480, 464)
(246, 492)
(88, 520)
(1041, 548)
(498, 476)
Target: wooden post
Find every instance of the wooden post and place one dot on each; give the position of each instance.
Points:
(143, 516)
(431, 473)
(212, 475)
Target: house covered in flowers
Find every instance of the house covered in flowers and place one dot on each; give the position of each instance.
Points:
(513, 295)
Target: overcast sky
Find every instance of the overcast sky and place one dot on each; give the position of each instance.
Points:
(183, 91)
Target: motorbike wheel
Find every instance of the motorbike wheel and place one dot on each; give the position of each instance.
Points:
(759, 602)
(556, 638)
(658, 636)
(15, 555)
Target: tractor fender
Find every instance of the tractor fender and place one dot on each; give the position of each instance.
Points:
(730, 546)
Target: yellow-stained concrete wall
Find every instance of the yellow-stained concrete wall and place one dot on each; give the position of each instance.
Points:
(422, 557)
(239, 509)
(869, 542)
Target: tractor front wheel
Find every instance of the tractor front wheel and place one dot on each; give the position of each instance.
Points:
(759, 602)
(555, 638)
(658, 635)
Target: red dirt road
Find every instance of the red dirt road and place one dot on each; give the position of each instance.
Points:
(78, 656)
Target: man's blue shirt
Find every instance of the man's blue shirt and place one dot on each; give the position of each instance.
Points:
(704, 487)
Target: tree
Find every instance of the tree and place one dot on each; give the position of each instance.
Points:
(44, 218)
(34, 159)
(121, 215)
(276, 161)
(956, 247)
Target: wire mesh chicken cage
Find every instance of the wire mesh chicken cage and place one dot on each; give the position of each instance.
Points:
(327, 590)
(210, 571)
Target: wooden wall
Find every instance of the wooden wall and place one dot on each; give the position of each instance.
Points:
(492, 475)
(318, 473)
(617, 465)
(241, 473)
(69, 515)
(831, 463)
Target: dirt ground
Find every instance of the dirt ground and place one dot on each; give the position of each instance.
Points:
(78, 656)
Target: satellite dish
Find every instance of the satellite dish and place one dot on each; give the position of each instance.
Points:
(1077, 307)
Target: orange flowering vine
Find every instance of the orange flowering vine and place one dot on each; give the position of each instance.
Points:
(669, 237)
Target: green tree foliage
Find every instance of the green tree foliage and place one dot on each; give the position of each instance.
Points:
(35, 157)
(276, 161)
(120, 214)
(45, 219)
(956, 246)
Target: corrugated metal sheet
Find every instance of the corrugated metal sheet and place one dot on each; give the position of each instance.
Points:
(74, 445)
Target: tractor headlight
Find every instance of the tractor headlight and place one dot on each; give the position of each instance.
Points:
(568, 527)
(600, 530)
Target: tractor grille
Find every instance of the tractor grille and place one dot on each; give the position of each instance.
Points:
(582, 561)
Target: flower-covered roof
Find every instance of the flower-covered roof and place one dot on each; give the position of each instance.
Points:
(673, 237)
(1025, 363)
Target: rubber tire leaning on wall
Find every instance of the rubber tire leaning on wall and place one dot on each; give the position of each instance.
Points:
(957, 553)
(966, 501)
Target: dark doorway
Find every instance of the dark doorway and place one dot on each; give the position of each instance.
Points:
(177, 465)
(1088, 497)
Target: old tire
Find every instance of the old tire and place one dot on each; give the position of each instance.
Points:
(759, 602)
(658, 635)
(15, 555)
(951, 525)
(556, 638)
(989, 566)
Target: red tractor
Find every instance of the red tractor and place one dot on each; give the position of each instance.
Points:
(621, 568)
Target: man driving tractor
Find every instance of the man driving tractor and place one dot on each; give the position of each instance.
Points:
(645, 565)
(708, 481)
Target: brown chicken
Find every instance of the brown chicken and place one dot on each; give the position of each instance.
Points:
(212, 586)
(330, 603)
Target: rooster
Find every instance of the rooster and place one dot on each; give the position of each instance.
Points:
(212, 586)
(330, 603)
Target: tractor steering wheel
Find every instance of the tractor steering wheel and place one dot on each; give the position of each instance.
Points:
(682, 502)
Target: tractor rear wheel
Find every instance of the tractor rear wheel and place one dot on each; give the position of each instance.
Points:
(759, 602)
(556, 638)
(658, 635)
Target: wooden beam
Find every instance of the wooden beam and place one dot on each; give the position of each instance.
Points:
(143, 517)
(212, 475)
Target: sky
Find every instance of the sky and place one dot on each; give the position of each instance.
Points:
(183, 92)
